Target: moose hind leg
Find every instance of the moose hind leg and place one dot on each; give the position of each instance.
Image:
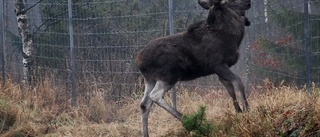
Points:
(228, 79)
(145, 105)
(157, 95)
(240, 86)
(228, 85)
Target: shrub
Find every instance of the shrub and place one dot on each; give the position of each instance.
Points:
(197, 123)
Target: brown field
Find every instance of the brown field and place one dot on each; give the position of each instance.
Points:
(275, 111)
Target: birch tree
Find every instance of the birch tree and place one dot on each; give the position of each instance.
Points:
(27, 43)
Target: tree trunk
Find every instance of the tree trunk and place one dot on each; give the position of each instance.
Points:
(27, 43)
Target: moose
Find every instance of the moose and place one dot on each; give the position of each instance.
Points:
(233, 4)
(207, 47)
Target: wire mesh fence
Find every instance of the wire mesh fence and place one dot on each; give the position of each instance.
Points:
(108, 34)
(280, 48)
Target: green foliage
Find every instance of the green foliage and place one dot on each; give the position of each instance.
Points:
(198, 123)
(294, 22)
(288, 49)
(285, 60)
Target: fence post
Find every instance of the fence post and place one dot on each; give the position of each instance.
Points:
(247, 67)
(72, 62)
(307, 44)
(171, 31)
(3, 45)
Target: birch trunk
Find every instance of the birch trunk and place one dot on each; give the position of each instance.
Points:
(27, 44)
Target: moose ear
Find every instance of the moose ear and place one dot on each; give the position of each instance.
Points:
(206, 4)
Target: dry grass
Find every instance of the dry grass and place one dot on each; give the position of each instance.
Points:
(282, 111)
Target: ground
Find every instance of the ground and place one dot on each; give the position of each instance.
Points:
(275, 111)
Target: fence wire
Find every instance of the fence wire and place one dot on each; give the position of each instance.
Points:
(108, 34)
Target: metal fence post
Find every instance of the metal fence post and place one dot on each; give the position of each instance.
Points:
(3, 63)
(247, 67)
(307, 44)
(72, 62)
(171, 31)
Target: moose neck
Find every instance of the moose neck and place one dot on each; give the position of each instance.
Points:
(228, 19)
(215, 16)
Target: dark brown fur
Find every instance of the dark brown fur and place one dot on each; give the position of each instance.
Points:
(194, 53)
(207, 47)
(241, 6)
(237, 5)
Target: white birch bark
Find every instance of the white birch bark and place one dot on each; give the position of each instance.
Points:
(266, 11)
(27, 44)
